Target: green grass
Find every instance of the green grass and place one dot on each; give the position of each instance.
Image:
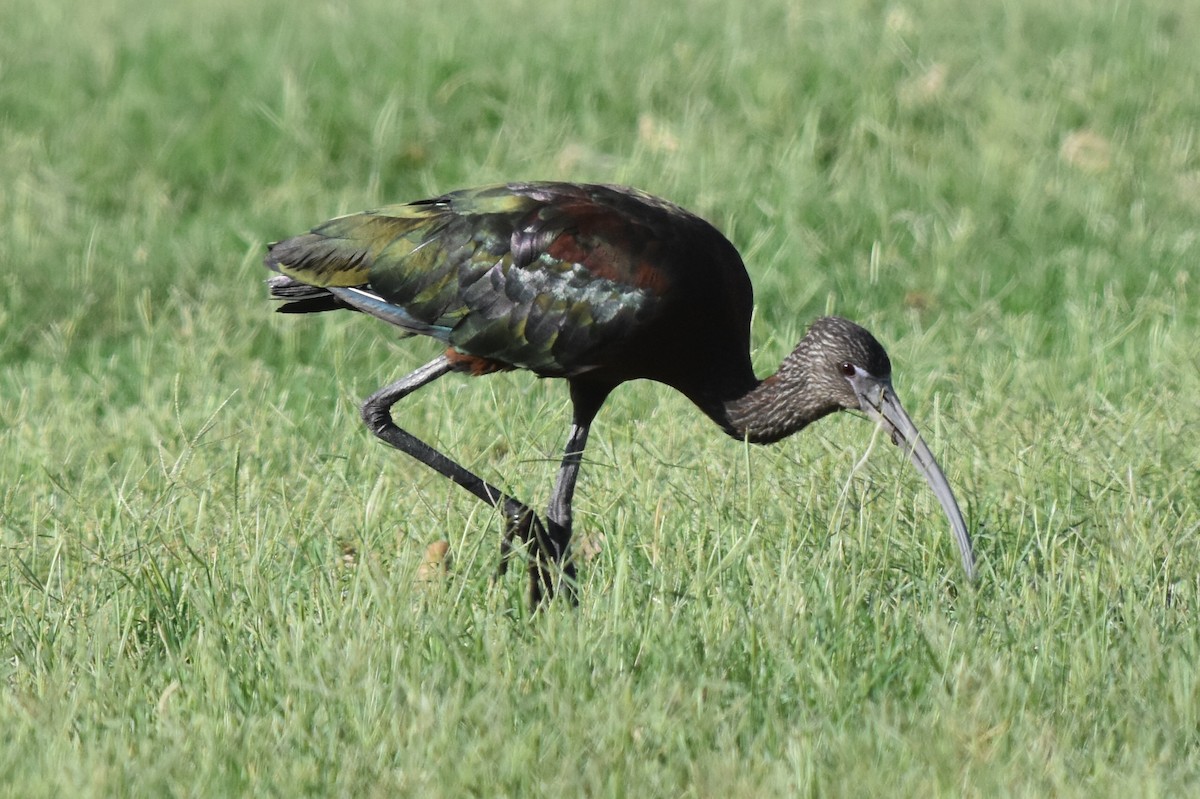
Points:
(208, 565)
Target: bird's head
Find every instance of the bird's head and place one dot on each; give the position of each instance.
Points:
(840, 362)
(845, 363)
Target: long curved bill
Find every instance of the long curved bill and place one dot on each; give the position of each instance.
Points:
(881, 404)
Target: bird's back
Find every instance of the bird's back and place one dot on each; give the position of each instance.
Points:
(561, 279)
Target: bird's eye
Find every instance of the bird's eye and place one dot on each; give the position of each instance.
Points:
(848, 369)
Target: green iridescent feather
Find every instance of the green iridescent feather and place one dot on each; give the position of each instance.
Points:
(537, 276)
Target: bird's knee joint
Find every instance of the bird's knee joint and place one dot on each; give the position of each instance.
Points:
(376, 418)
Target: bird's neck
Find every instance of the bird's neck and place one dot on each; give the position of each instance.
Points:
(775, 408)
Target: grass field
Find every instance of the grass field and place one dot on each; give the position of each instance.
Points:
(208, 567)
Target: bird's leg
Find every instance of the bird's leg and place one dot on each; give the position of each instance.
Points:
(551, 562)
(522, 522)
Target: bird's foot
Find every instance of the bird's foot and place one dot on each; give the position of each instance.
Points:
(523, 527)
(550, 567)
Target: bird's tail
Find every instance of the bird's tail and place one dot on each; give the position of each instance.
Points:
(300, 297)
(320, 272)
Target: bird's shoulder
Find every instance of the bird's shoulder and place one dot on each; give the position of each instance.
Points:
(608, 233)
(554, 274)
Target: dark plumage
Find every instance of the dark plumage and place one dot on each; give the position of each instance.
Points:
(597, 285)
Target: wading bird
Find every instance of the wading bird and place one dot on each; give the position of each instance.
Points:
(597, 285)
